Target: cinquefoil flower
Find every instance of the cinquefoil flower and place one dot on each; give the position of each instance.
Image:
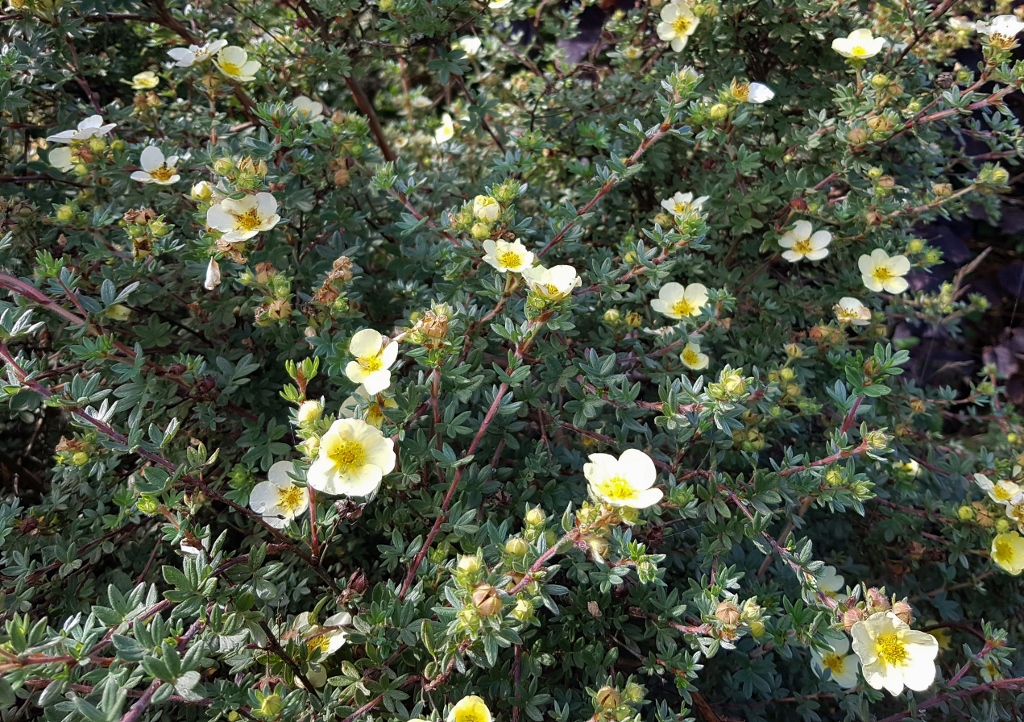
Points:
(1003, 492)
(146, 80)
(882, 273)
(242, 219)
(756, 93)
(304, 108)
(859, 45)
(486, 209)
(506, 256)
(1008, 552)
(842, 666)
(682, 203)
(447, 130)
(326, 638)
(374, 354)
(1002, 27)
(892, 655)
(187, 57)
(552, 284)
(692, 358)
(234, 63)
(830, 582)
(278, 499)
(802, 242)
(677, 301)
(850, 310)
(677, 25)
(88, 128)
(471, 708)
(626, 481)
(156, 168)
(372, 414)
(353, 459)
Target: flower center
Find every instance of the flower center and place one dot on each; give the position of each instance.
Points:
(1003, 552)
(858, 50)
(289, 499)
(248, 221)
(375, 415)
(803, 247)
(690, 357)
(348, 455)
(741, 91)
(617, 489)
(682, 307)
(469, 716)
(163, 173)
(681, 25)
(883, 274)
(1001, 493)
(321, 642)
(510, 259)
(891, 650)
(680, 207)
(231, 68)
(832, 662)
(371, 363)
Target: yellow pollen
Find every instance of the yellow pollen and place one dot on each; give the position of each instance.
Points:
(891, 650)
(348, 455)
(617, 489)
(509, 259)
(680, 208)
(551, 289)
(163, 173)
(371, 363)
(469, 716)
(741, 91)
(248, 221)
(832, 662)
(231, 68)
(1003, 553)
(803, 247)
(682, 307)
(1001, 493)
(320, 642)
(690, 356)
(681, 24)
(289, 499)
(883, 274)
(858, 50)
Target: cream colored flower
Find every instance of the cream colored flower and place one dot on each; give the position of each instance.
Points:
(892, 655)
(212, 279)
(552, 284)
(374, 355)
(859, 45)
(1008, 552)
(507, 256)
(304, 108)
(1003, 27)
(755, 93)
(146, 80)
(187, 57)
(677, 301)
(802, 242)
(626, 481)
(830, 582)
(89, 128)
(1003, 492)
(631, 52)
(692, 358)
(677, 25)
(850, 310)
(486, 209)
(61, 158)
(309, 411)
(234, 63)
(156, 168)
(361, 405)
(326, 638)
(842, 666)
(278, 499)
(470, 45)
(352, 460)
(470, 709)
(499, 4)
(447, 130)
(682, 203)
(880, 272)
(242, 219)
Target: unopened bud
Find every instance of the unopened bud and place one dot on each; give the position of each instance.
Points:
(718, 111)
(903, 611)
(517, 546)
(612, 315)
(523, 610)
(536, 516)
(608, 698)
(480, 231)
(878, 601)
(202, 191)
(310, 411)
(223, 166)
(851, 617)
(65, 213)
(469, 564)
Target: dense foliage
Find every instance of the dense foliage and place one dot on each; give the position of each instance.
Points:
(524, 360)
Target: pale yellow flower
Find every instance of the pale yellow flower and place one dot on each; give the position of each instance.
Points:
(552, 284)
(304, 108)
(682, 203)
(146, 80)
(1008, 552)
(1002, 27)
(850, 310)
(801, 242)
(507, 256)
(677, 301)
(486, 209)
(677, 24)
(362, 405)
(470, 709)
(893, 655)
(1003, 492)
(755, 93)
(234, 63)
(859, 45)
(374, 354)
(447, 130)
(156, 168)
(278, 499)
(626, 481)
(242, 219)
(842, 666)
(352, 460)
(881, 273)
(692, 358)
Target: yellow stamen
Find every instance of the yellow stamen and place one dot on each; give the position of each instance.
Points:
(248, 221)
(891, 650)
(510, 259)
(231, 68)
(682, 307)
(617, 489)
(681, 24)
(803, 247)
(348, 455)
(289, 499)
(371, 363)
(163, 173)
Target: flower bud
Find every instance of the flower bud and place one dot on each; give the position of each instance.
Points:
(880, 80)
(65, 213)
(877, 601)
(480, 231)
(486, 600)
(966, 512)
(469, 564)
(833, 477)
(80, 458)
(756, 628)
(311, 446)
(223, 166)
(1003, 526)
(536, 516)
(97, 144)
(851, 617)
(718, 111)
(486, 209)
(874, 173)
(903, 611)
(857, 136)
(270, 706)
(608, 698)
(523, 610)
(202, 191)
(517, 546)
(341, 176)
(787, 374)
(877, 440)
(634, 319)
(728, 613)
(119, 312)
(118, 145)
(310, 411)
(612, 315)
(794, 350)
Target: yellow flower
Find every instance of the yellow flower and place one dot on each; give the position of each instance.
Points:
(234, 63)
(372, 366)
(850, 310)
(242, 219)
(842, 666)
(486, 209)
(506, 256)
(353, 459)
(145, 80)
(880, 272)
(470, 709)
(1008, 552)
(626, 481)
(373, 413)
(278, 499)
(678, 301)
(1003, 492)
(677, 25)
(859, 45)
(692, 358)
(552, 284)
(801, 242)
(893, 655)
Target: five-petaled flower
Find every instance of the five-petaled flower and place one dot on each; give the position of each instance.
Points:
(626, 481)
(64, 158)
(326, 638)
(352, 459)
(279, 499)
(470, 709)
(882, 273)
(892, 655)
(305, 108)
(373, 413)
(374, 353)
(677, 301)
(552, 284)
(1002, 492)
(850, 310)
(446, 131)
(1003, 28)
(677, 25)
(242, 219)
(842, 666)
(507, 256)
(756, 93)
(1008, 552)
(802, 241)
(859, 45)
(146, 80)
(682, 203)
(156, 168)
(692, 357)
(193, 54)
(234, 63)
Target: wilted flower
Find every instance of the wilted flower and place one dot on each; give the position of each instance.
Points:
(242, 219)
(353, 459)
(842, 666)
(552, 284)
(880, 272)
(1008, 552)
(850, 310)
(187, 57)
(626, 481)
(278, 499)
(893, 655)
(859, 45)
(305, 108)
(677, 25)
(682, 203)
(156, 168)
(692, 358)
(234, 63)
(801, 242)
(374, 353)
(212, 279)
(507, 256)
(677, 301)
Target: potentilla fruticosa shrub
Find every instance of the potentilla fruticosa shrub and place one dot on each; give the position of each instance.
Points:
(468, 362)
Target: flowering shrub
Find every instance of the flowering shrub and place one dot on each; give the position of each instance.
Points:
(445, 360)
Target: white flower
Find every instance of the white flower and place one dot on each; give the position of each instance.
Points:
(374, 355)
(187, 57)
(1008, 552)
(61, 158)
(880, 272)
(682, 203)
(850, 310)
(309, 411)
(1003, 492)
(552, 284)
(692, 358)
(353, 459)
(486, 209)
(626, 481)
(327, 638)
(842, 666)
(88, 128)
(234, 63)
(859, 45)
(304, 108)
(893, 655)
(156, 168)
(677, 25)
(677, 301)
(361, 405)
(756, 93)
(447, 130)
(470, 45)
(212, 279)
(830, 582)
(1005, 27)
(801, 243)
(278, 500)
(960, 23)
(506, 256)
(241, 220)
(499, 4)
